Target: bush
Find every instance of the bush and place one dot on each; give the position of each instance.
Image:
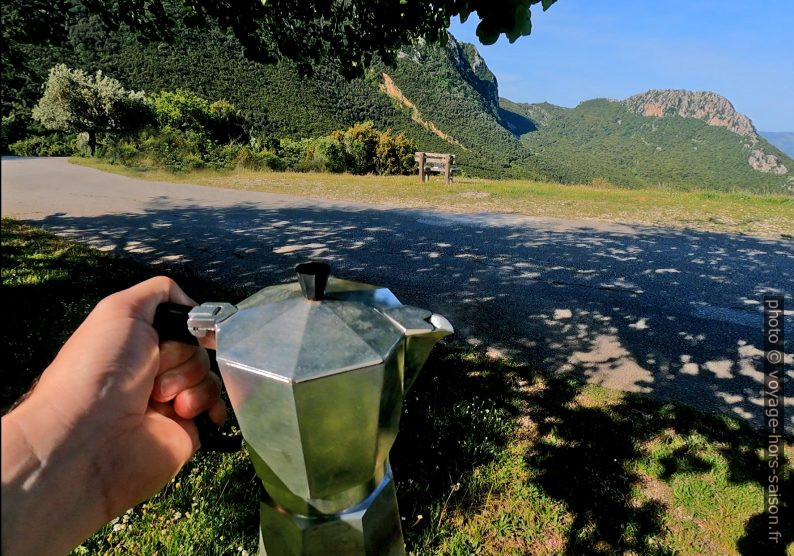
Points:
(173, 149)
(184, 110)
(330, 153)
(300, 155)
(15, 127)
(186, 140)
(395, 154)
(176, 150)
(361, 144)
(121, 151)
(226, 123)
(55, 144)
(181, 110)
(259, 159)
(362, 149)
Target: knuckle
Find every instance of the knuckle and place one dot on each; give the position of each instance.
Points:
(164, 281)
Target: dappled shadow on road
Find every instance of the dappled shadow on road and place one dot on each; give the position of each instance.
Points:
(670, 313)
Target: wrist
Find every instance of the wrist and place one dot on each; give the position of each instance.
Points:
(47, 478)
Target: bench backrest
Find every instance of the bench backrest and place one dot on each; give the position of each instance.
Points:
(439, 158)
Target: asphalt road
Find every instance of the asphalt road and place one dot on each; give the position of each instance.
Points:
(676, 314)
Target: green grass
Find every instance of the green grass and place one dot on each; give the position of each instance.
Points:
(737, 212)
(492, 457)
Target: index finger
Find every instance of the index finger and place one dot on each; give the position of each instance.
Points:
(141, 300)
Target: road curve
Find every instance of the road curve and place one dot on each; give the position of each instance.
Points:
(672, 313)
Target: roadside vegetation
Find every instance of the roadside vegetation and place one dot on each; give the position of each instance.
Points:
(492, 458)
(735, 212)
(179, 130)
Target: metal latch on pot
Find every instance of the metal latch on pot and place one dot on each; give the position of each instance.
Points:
(205, 317)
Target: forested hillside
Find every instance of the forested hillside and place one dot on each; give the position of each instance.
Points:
(441, 101)
(444, 99)
(603, 140)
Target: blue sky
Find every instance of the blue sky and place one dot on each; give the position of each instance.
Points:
(582, 49)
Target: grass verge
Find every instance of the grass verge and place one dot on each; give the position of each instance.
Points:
(736, 212)
(492, 458)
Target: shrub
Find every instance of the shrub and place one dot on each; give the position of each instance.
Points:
(298, 155)
(121, 151)
(330, 153)
(395, 154)
(269, 159)
(184, 141)
(55, 144)
(184, 110)
(222, 157)
(361, 143)
(173, 149)
(226, 123)
(259, 159)
(15, 127)
(176, 150)
(181, 110)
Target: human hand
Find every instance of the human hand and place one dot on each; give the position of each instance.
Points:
(111, 417)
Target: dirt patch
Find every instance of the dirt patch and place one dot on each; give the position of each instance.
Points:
(393, 91)
(655, 490)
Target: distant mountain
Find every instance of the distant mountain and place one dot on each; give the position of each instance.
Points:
(715, 110)
(446, 98)
(671, 137)
(783, 140)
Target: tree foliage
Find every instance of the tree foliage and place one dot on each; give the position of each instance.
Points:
(187, 111)
(348, 32)
(75, 101)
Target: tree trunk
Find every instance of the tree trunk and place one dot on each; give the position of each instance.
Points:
(92, 142)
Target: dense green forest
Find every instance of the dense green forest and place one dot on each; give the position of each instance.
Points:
(442, 98)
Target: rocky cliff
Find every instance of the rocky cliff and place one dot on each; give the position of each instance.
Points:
(704, 105)
(474, 69)
(715, 110)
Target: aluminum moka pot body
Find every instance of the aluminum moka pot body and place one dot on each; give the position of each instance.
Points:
(316, 371)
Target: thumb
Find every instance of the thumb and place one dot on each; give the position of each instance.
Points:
(141, 300)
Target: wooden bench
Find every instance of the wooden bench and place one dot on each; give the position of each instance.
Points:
(435, 163)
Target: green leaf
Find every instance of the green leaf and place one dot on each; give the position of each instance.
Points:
(486, 33)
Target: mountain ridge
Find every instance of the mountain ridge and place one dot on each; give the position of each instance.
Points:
(783, 140)
(706, 107)
(446, 99)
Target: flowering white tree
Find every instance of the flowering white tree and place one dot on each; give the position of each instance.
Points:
(76, 101)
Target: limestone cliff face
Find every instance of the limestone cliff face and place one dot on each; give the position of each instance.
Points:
(467, 63)
(484, 80)
(704, 105)
(473, 69)
(764, 162)
(712, 108)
